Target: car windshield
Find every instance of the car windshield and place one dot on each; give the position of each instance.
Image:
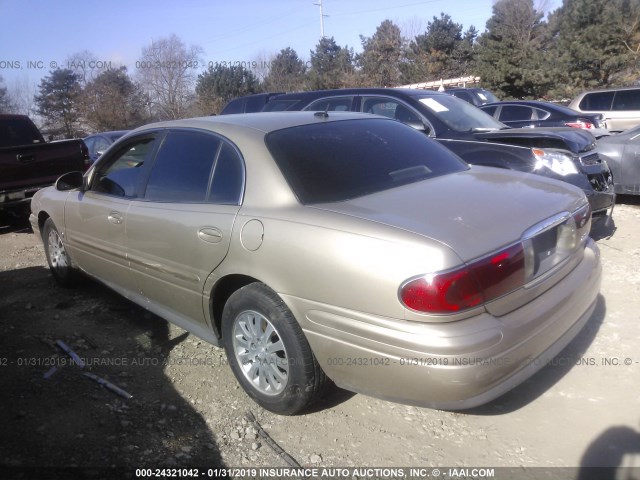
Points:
(486, 96)
(459, 115)
(336, 161)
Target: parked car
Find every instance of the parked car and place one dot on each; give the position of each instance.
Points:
(99, 142)
(28, 163)
(620, 107)
(475, 96)
(565, 154)
(532, 113)
(249, 103)
(333, 244)
(622, 152)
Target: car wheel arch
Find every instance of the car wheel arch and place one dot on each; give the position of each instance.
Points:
(42, 218)
(220, 293)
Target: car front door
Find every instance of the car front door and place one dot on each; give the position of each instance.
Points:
(180, 230)
(95, 220)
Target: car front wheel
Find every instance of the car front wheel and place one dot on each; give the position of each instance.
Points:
(268, 353)
(57, 256)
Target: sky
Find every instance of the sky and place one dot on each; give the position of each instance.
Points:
(38, 35)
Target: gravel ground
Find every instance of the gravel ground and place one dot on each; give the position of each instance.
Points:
(187, 408)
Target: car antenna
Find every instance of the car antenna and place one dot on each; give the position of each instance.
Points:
(324, 114)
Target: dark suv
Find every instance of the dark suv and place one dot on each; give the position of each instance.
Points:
(475, 96)
(248, 103)
(565, 154)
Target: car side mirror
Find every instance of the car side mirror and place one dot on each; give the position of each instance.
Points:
(70, 181)
(418, 125)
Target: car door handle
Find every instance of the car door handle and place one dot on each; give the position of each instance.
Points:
(115, 217)
(210, 234)
(26, 158)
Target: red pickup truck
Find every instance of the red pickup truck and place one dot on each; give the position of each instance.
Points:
(28, 163)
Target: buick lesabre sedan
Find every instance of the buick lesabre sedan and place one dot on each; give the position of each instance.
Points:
(341, 246)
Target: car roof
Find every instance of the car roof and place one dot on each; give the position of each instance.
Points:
(109, 133)
(397, 92)
(264, 122)
(599, 90)
(466, 89)
(536, 103)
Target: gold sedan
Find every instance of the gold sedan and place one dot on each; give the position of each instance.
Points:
(341, 246)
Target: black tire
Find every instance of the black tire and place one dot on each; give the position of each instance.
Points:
(275, 367)
(57, 256)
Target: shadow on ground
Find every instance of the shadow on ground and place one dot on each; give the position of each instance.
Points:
(614, 454)
(68, 419)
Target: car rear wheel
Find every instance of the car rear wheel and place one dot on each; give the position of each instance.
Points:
(268, 353)
(57, 256)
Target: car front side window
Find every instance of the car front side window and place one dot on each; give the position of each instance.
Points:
(120, 175)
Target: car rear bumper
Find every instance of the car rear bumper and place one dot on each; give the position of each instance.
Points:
(453, 365)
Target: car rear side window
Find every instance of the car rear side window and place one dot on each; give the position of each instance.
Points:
(515, 113)
(335, 161)
(626, 100)
(182, 168)
(597, 101)
(196, 167)
(228, 177)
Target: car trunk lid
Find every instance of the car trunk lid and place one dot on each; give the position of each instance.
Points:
(502, 207)
(573, 139)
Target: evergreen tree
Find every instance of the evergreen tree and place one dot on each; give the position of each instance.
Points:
(442, 51)
(286, 72)
(331, 65)
(58, 102)
(381, 56)
(592, 39)
(219, 84)
(510, 56)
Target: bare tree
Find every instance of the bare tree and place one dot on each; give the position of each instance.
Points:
(22, 92)
(5, 100)
(167, 71)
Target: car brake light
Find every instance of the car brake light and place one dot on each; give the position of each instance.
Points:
(468, 286)
(580, 124)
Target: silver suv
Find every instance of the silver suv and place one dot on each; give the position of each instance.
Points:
(620, 107)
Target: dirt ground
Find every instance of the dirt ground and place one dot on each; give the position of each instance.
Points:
(187, 409)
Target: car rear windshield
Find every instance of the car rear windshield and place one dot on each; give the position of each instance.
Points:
(17, 132)
(336, 161)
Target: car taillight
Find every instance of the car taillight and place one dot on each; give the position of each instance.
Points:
(468, 286)
(542, 247)
(580, 124)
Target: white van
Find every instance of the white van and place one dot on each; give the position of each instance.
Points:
(620, 107)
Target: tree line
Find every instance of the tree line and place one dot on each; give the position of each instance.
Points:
(584, 44)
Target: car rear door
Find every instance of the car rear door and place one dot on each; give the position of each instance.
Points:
(180, 230)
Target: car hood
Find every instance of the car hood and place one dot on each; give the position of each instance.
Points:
(576, 140)
(473, 212)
